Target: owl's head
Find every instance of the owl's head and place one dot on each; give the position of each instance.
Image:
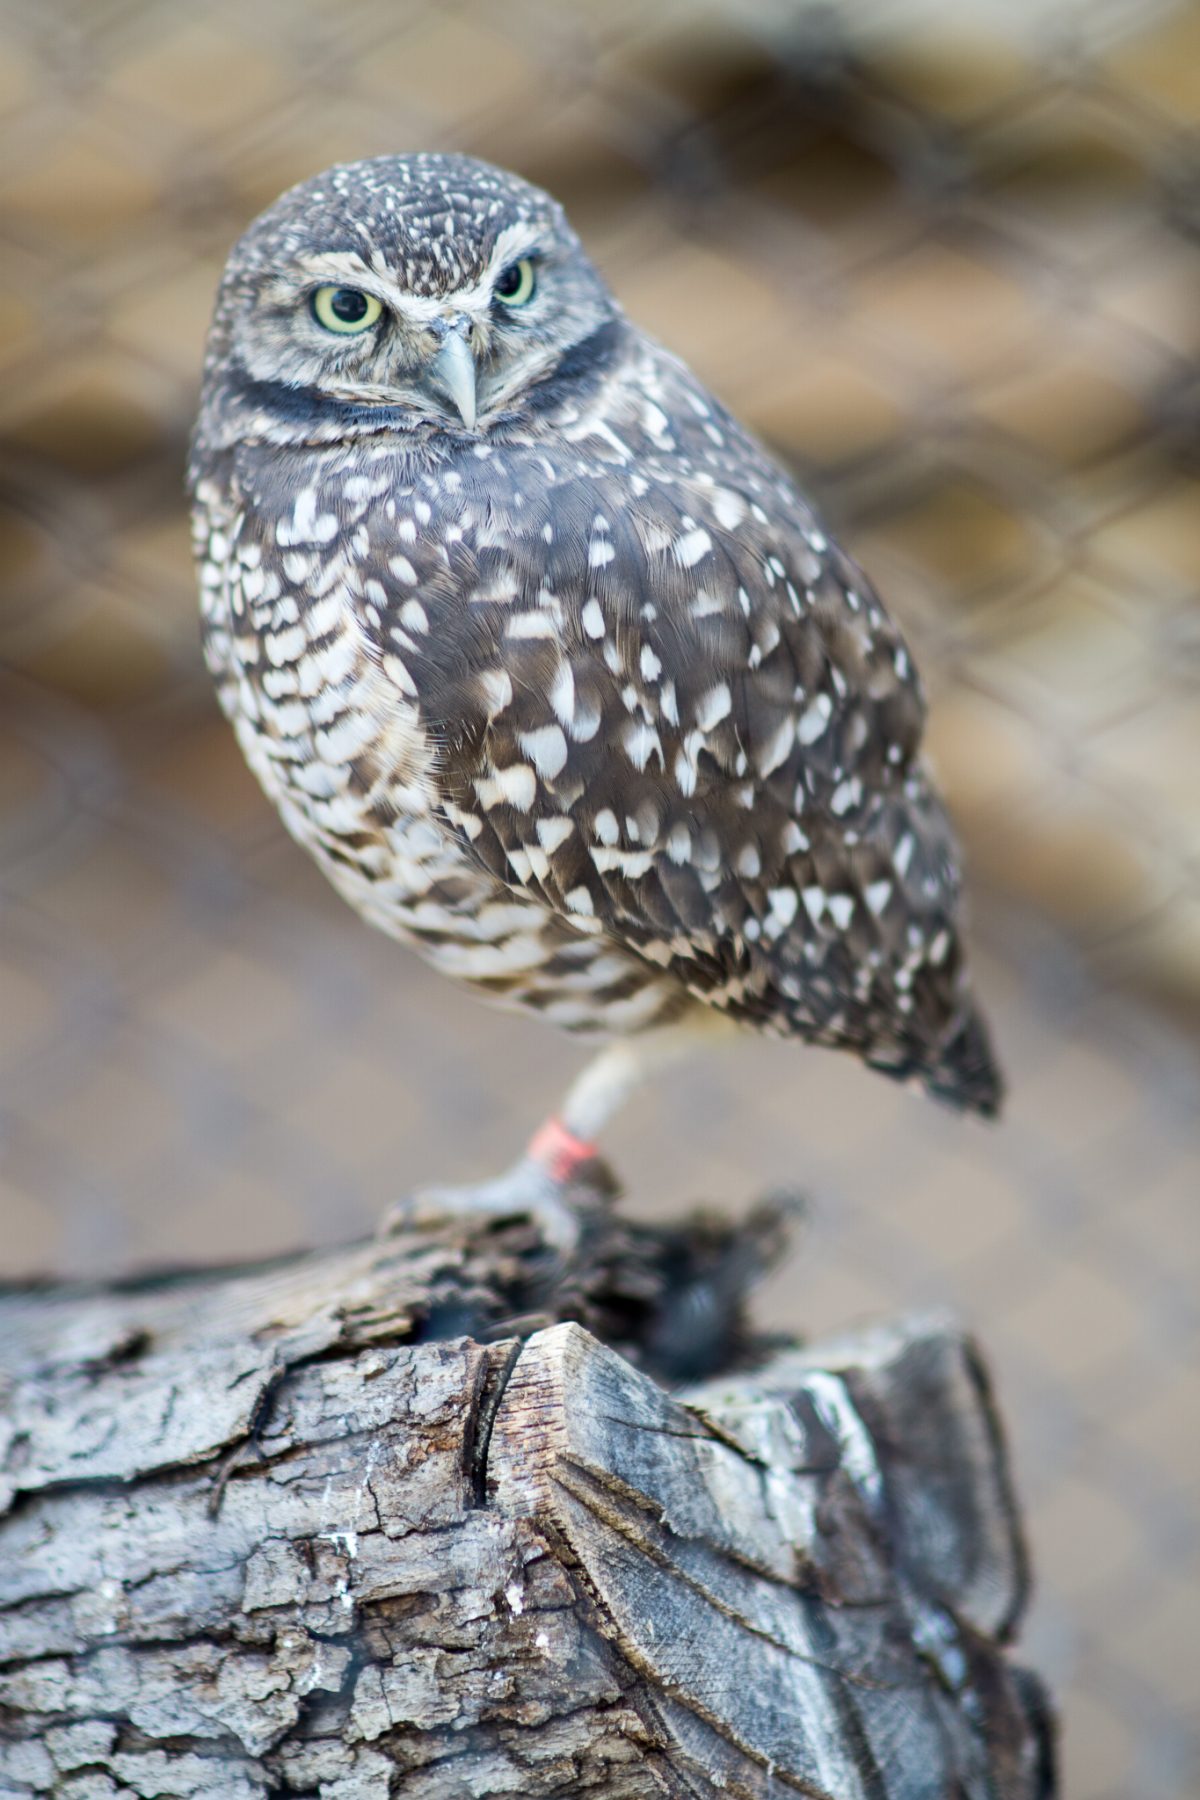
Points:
(406, 289)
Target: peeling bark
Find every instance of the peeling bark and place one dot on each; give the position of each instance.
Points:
(376, 1523)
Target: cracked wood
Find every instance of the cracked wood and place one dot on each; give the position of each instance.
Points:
(263, 1533)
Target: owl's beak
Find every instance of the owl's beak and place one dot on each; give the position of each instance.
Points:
(452, 373)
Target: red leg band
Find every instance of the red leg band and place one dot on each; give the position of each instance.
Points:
(558, 1150)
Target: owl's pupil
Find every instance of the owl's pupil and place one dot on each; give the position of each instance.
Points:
(348, 305)
(508, 281)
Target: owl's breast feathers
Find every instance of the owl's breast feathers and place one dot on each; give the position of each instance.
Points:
(655, 699)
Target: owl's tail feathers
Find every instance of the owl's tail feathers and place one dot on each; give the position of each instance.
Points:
(960, 1070)
(965, 1071)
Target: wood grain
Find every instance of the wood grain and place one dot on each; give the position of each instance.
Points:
(264, 1532)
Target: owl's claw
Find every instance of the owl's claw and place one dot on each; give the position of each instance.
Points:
(528, 1190)
(549, 1185)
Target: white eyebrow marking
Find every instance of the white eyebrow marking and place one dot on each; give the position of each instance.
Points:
(336, 265)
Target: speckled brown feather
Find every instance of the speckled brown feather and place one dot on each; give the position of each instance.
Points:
(588, 705)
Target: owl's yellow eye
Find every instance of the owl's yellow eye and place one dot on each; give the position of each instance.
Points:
(346, 310)
(516, 285)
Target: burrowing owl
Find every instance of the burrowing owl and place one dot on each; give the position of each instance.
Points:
(546, 662)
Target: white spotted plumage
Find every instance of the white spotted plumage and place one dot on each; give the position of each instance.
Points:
(578, 696)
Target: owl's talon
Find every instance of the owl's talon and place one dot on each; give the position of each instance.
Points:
(528, 1190)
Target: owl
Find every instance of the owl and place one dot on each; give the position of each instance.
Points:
(548, 663)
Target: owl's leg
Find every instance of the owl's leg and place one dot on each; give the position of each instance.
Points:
(614, 1073)
(546, 1183)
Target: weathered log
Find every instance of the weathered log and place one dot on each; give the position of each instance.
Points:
(374, 1524)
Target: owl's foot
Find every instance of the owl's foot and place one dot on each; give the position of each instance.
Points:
(547, 1185)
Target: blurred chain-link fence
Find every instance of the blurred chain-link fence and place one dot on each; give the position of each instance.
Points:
(948, 264)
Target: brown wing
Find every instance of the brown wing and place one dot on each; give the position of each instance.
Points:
(665, 704)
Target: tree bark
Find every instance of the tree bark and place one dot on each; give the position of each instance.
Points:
(375, 1523)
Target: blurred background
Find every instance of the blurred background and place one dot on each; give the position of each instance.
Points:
(946, 261)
